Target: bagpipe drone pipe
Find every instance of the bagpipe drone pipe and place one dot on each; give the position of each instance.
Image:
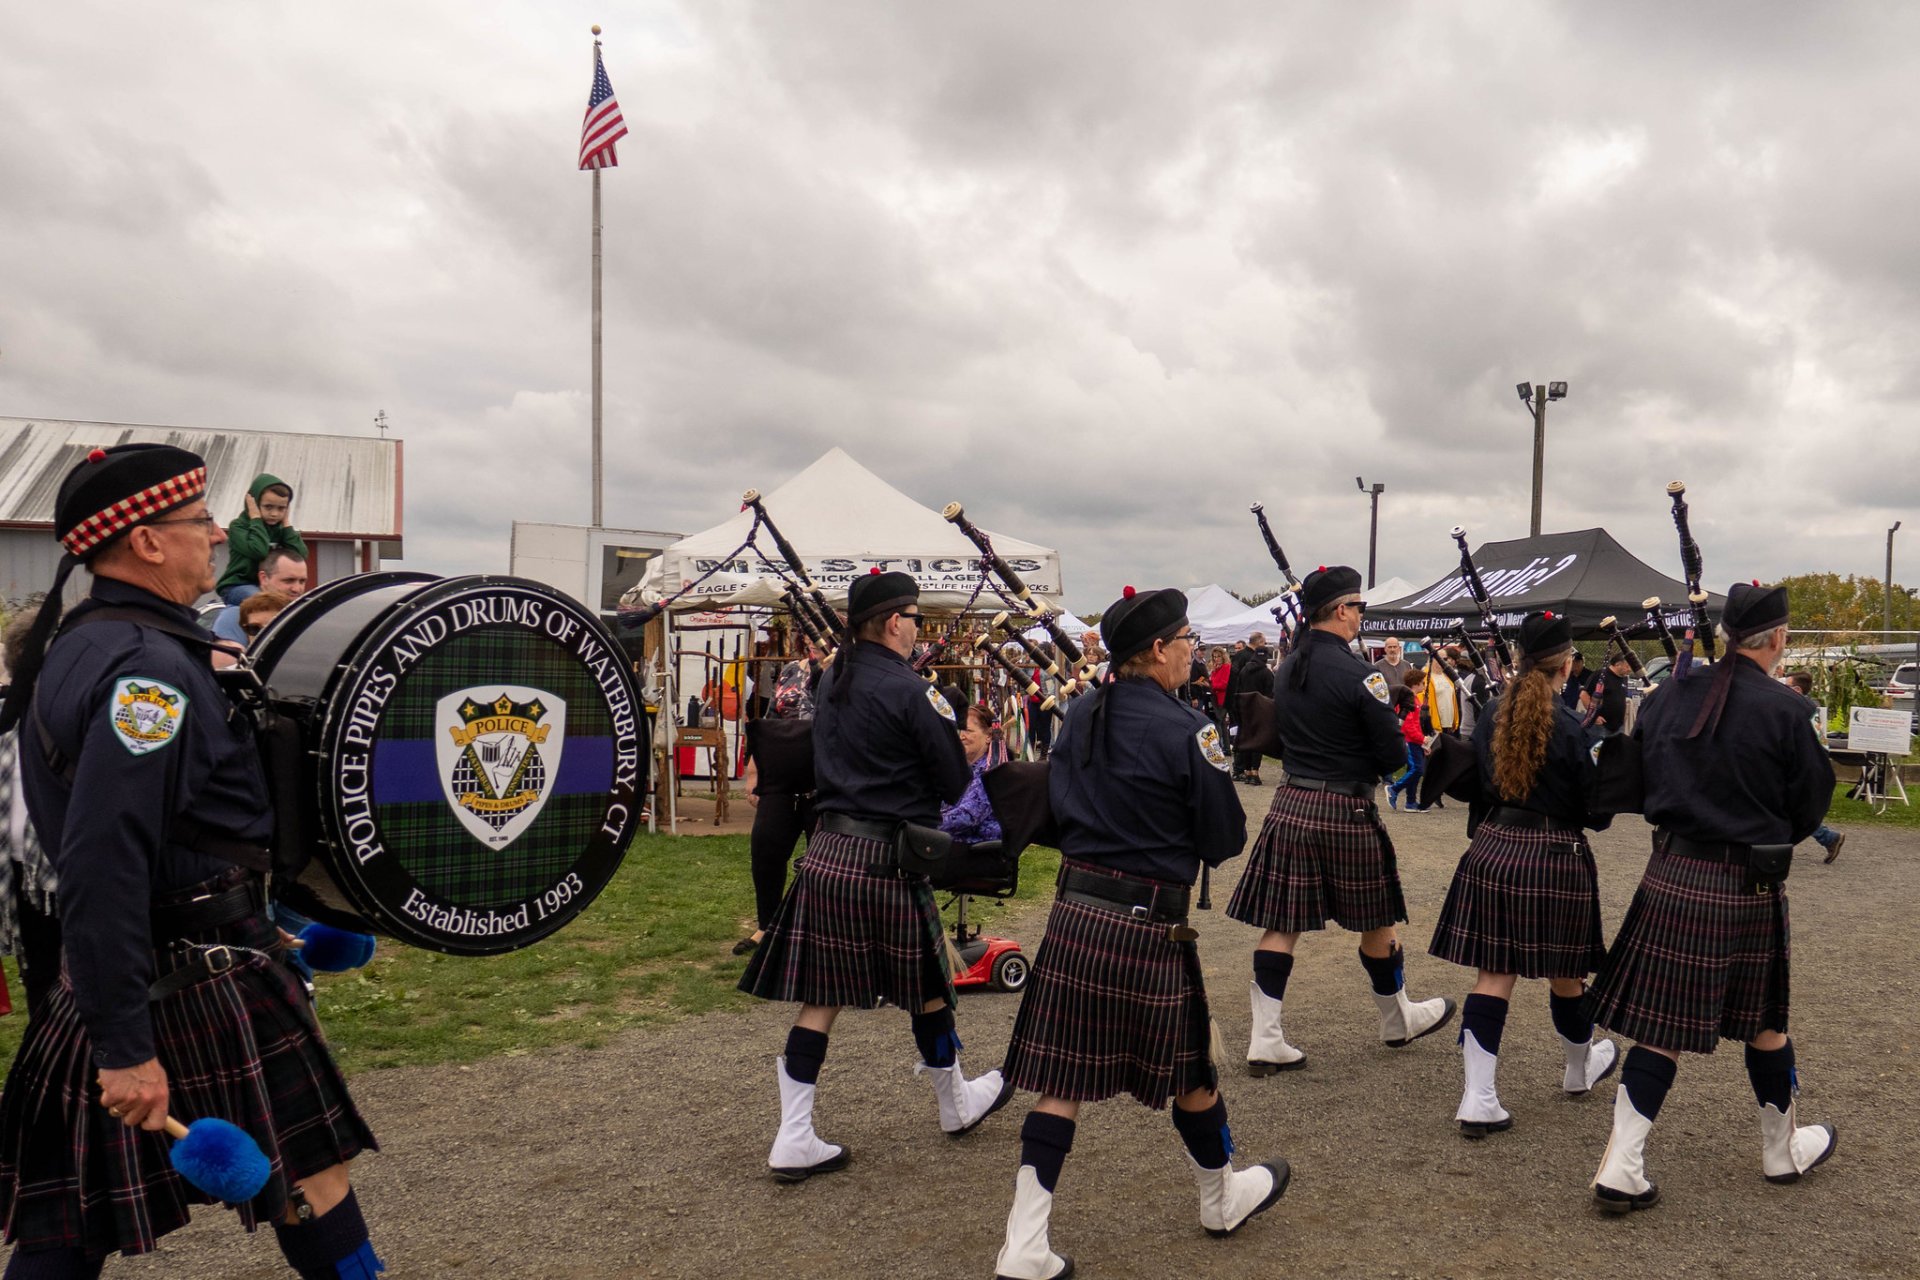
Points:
(1286, 608)
(1701, 630)
(1015, 592)
(1484, 602)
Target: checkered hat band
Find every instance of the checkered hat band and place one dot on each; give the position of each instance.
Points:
(151, 501)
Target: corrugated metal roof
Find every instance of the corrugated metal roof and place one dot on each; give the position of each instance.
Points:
(343, 486)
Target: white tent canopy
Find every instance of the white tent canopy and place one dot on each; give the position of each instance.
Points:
(844, 521)
(1391, 589)
(1068, 623)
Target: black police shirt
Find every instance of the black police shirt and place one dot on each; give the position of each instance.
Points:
(1613, 700)
(151, 738)
(1560, 788)
(1156, 797)
(1339, 728)
(1762, 778)
(890, 750)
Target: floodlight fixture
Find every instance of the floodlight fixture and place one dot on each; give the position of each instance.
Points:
(1556, 391)
(1525, 390)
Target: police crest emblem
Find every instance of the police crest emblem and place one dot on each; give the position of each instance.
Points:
(1377, 686)
(940, 704)
(498, 750)
(1216, 754)
(146, 714)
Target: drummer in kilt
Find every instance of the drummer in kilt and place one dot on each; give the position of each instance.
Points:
(151, 800)
(1525, 899)
(1142, 791)
(1322, 853)
(854, 929)
(1734, 779)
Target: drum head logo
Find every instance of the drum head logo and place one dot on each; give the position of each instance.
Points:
(499, 751)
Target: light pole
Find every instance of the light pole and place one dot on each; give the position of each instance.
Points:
(1536, 397)
(1888, 619)
(1373, 527)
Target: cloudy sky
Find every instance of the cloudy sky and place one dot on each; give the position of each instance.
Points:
(1106, 272)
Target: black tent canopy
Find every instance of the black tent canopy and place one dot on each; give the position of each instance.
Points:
(1585, 575)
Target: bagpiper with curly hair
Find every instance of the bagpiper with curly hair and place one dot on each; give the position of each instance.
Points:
(1525, 900)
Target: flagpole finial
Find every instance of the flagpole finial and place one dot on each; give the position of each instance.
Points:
(596, 28)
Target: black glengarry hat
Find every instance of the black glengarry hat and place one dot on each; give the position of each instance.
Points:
(1133, 622)
(879, 593)
(1544, 636)
(1323, 586)
(1752, 608)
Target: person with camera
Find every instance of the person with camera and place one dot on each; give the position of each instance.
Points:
(1142, 793)
(149, 792)
(1734, 779)
(1322, 853)
(856, 929)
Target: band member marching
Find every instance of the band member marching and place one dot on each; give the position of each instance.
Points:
(149, 792)
(854, 929)
(1734, 779)
(1142, 792)
(1525, 901)
(1322, 853)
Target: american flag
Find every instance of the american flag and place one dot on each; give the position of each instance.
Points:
(603, 126)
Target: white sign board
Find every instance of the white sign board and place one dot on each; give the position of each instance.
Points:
(1874, 729)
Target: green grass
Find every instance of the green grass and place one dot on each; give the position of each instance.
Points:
(1847, 813)
(656, 946)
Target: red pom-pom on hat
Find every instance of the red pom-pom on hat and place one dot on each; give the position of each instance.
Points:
(1126, 593)
(874, 572)
(1756, 582)
(1548, 615)
(1321, 569)
(97, 455)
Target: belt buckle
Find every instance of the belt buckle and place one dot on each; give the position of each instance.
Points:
(218, 958)
(1139, 912)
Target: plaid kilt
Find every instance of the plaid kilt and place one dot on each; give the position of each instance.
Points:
(1523, 901)
(242, 1046)
(1321, 856)
(1112, 1006)
(1698, 959)
(848, 939)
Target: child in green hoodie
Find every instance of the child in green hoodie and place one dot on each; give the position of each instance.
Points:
(264, 525)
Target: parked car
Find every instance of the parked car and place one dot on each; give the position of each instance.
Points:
(1900, 685)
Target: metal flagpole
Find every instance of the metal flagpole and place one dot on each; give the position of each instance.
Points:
(596, 313)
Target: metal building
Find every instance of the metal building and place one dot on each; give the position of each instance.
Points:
(347, 491)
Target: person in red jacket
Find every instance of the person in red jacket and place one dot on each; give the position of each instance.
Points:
(1406, 705)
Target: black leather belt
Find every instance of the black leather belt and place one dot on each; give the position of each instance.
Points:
(208, 910)
(1508, 816)
(845, 824)
(1147, 901)
(1679, 846)
(1364, 790)
(206, 962)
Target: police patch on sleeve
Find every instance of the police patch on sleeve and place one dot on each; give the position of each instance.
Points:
(1209, 740)
(1377, 686)
(1595, 753)
(146, 714)
(939, 703)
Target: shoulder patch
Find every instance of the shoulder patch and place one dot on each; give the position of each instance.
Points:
(1209, 740)
(146, 714)
(1376, 683)
(940, 704)
(1595, 753)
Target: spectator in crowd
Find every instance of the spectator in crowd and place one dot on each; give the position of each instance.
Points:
(1219, 670)
(1249, 673)
(280, 571)
(256, 611)
(1574, 694)
(1466, 684)
(1095, 654)
(1039, 719)
(1610, 690)
(1392, 665)
(1406, 705)
(1801, 682)
(970, 819)
(265, 524)
(29, 923)
(779, 784)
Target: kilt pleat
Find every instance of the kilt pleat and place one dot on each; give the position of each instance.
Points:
(1699, 959)
(845, 938)
(1523, 901)
(1320, 856)
(1112, 1006)
(242, 1046)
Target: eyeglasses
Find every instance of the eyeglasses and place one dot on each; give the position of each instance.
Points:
(1358, 606)
(253, 628)
(914, 618)
(1191, 637)
(206, 522)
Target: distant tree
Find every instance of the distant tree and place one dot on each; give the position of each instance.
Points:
(1831, 602)
(1251, 598)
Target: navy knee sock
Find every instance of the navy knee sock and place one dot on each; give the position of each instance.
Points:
(1271, 969)
(1772, 1075)
(1570, 1017)
(1385, 971)
(1044, 1142)
(1646, 1077)
(1486, 1017)
(53, 1264)
(331, 1246)
(1205, 1133)
(806, 1050)
(934, 1033)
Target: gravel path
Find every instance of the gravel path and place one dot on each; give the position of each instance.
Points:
(646, 1158)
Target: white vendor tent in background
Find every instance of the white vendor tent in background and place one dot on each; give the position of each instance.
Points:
(1240, 622)
(1068, 623)
(844, 521)
(1391, 589)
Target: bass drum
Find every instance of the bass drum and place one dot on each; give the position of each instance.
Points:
(471, 756)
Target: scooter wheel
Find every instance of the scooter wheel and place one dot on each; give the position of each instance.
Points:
(1010, 972)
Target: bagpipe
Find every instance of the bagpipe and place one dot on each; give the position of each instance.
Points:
(825, 618)
(1018, 596)
(1701, 629)
(1476, 693)
(1488, 619)
(1486, 685)
(1657, 623)
(1286, 610)
(1617, 646)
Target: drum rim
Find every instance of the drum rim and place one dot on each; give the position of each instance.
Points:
(371, 640)
(293, 622)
